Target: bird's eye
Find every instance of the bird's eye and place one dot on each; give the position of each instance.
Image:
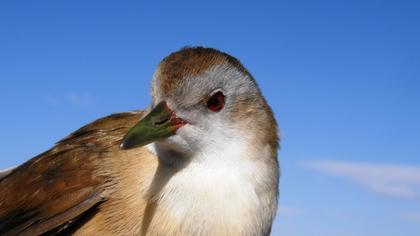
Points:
(216, 102)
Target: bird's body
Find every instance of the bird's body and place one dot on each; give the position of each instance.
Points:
(204, 180)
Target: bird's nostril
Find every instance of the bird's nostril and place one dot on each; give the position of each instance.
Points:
(162, 121)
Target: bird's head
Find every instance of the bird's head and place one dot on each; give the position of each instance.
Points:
(204, 100)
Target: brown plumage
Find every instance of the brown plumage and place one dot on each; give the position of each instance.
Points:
(192, 61)
(54, 190)
(89, 184)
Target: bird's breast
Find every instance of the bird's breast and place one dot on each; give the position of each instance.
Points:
(219, 198)
(201, 199)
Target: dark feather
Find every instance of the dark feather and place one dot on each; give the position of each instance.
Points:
(51, 192)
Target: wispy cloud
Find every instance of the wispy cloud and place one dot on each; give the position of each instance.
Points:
(386, 179)
(78, 99)
(413, 216)
(53, 101)
(289, 211)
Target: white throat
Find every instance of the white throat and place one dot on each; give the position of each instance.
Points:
(217, 189)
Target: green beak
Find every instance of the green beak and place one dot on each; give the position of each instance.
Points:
(159, 124)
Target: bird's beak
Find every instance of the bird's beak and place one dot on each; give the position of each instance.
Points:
(160, 123)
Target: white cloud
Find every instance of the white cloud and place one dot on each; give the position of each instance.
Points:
(387, 179)
(78, 99)
(52, 101)
(413, 216)
(289, 211)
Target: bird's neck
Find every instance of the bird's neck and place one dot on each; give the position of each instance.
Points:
(216, 188)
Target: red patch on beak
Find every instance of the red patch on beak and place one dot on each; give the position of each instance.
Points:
(175, 121)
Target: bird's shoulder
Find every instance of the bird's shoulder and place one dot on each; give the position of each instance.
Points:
(56, 188)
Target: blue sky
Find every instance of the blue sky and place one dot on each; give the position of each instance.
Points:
(343, 78)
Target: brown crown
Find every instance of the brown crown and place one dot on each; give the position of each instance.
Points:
(192, 61)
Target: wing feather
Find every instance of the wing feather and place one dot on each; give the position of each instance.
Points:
(52, 190)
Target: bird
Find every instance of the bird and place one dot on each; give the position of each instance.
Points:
(202, 159)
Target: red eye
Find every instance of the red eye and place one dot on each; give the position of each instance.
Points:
(216, 102)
